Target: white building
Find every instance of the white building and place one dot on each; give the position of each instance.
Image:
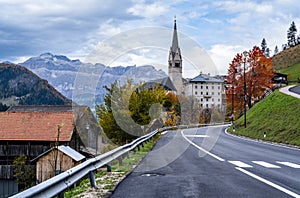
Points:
(208, 90)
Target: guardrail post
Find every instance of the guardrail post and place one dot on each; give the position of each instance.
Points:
(108, 167)
(120, 161)
(92, 179)
(138, 146)
(128, 154)
(142, 144)
(125, 155)
(61, 194)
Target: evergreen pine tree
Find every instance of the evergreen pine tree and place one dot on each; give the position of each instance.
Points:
(291, 35)
(276, 50)
(267, 52)
(263, 45)
(298, 40)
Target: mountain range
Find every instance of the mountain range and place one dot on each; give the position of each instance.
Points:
(61, 72)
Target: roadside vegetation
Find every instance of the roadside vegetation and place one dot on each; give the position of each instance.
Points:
(107, 181)
(277, 115)
(127, 107)
(293, 72)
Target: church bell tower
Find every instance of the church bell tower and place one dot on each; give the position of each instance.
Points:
(175, 62)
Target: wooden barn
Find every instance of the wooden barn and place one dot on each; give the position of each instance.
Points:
(56, 160)
(31, 134)
(84, 121)
(33, 130)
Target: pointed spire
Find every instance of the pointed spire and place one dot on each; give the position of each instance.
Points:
(175, 38)
(175, 28)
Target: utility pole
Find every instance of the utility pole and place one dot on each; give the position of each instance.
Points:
(232, 99)
(56, 148)
(245, 89)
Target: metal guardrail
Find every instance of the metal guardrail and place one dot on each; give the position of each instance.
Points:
(61, 182)
(56, 185)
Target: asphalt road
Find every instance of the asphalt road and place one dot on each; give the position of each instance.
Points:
(207, 162)
(295, 89)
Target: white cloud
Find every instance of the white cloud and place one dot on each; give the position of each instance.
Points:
(76, 27)
(147, 10)
(222, 55)
(107, 29)
(20, 59)
(262, 8)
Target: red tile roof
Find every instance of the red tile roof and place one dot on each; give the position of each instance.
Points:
(36, 126)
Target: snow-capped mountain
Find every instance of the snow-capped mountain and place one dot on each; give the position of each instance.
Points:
(61, 72)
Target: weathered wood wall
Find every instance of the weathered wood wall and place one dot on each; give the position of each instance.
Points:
(14, 149)
(45, 165)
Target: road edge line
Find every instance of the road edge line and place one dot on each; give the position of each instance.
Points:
(261, 141)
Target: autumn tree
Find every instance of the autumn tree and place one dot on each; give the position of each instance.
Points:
(172, 107)
(127, 107)
(258, 73)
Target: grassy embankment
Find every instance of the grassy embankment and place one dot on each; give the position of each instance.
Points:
(107, 181)
(277, 115)
(292, 71)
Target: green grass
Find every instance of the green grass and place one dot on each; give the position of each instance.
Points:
(277, 115)
(107, 181)
(292, 71)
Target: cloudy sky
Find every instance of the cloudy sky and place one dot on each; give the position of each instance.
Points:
(75, 27)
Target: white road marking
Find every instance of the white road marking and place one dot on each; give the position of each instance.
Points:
(202, 149)
(293, 165)
(240, 164)
(269, 183)
(200, 136)
(265, 164)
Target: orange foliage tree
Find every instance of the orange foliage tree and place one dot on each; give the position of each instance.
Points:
(259, 74)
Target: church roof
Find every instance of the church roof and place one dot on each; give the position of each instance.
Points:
(206, 78)
(175, 44)
(166, 83)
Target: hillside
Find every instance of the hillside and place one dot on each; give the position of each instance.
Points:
(19, 86)
(292, 71)
(286, 58)
(277, 115)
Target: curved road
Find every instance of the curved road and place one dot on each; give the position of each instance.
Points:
(207, 162)
(291, 90)
(295, 89)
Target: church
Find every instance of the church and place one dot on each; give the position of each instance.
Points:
(208, 90)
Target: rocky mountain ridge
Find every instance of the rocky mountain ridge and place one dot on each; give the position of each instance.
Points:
(61, 72)
(20, 86)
